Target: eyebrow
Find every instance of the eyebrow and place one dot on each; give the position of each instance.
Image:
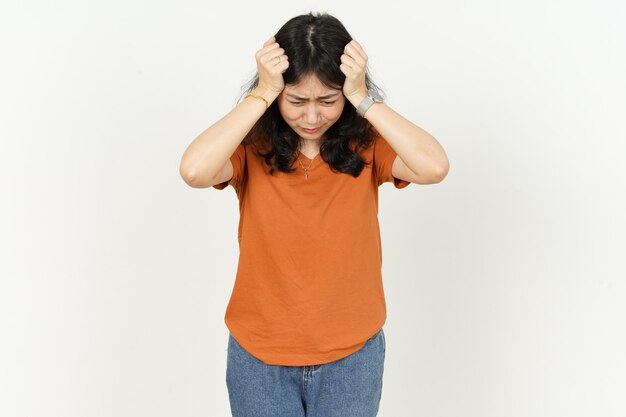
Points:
(304, 98)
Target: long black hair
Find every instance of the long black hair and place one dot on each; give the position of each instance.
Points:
(314, 44)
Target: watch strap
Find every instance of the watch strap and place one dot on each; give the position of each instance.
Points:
(364, 106)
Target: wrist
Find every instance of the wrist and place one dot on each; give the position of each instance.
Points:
(267, 94)
(357, 98)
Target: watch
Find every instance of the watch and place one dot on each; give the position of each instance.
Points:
(367, 102)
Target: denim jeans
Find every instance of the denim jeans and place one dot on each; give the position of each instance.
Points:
(348, 387)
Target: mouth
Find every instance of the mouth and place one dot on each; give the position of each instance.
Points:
(311, 130)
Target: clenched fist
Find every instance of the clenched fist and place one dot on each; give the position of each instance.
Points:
(271, 63)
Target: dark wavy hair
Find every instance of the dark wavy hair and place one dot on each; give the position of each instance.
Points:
(314, 44)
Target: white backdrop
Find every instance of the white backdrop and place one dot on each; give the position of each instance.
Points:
(505, 287)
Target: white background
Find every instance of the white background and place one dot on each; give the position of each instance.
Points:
(505, 284)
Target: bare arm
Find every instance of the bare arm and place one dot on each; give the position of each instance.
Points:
(206, 161)
(420, 157)
(209, 154)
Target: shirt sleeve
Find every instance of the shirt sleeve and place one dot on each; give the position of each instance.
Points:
(384, 156)
(238, 159)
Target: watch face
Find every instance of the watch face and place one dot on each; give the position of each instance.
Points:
(376, 96)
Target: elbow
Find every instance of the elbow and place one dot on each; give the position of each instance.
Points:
(444, 171)
(441, 173)
(190, 178)
(192, 181)
(186, 173)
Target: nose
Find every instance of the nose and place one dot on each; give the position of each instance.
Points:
(311, 115)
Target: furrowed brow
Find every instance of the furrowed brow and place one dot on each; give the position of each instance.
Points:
(324, 97)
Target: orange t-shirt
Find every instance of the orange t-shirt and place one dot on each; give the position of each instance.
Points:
(309, 285)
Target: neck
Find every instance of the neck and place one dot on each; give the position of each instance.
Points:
(309, 146)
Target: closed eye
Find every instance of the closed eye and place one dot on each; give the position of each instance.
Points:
(325, 102)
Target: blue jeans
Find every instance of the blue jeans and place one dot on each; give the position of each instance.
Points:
(348, 387)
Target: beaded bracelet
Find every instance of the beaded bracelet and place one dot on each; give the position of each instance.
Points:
(259, 97)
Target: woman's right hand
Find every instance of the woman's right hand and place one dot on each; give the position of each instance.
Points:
(271, 64)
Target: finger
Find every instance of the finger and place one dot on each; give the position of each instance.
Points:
(355, 54)
(272, 55)
(354, 62)
(278, 61)
(350, 74)
(271, 46)
(282, 67)
(347, 71)
(350, 62)
(356, 51)
(358, 47)
(267, 48)
(269, 41)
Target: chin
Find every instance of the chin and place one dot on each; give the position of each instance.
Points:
(308, 135)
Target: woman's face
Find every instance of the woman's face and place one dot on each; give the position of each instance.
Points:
(310, 108)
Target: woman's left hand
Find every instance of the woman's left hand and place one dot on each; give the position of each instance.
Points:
(353, 65)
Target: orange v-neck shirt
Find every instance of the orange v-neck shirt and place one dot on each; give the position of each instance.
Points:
(309, 287)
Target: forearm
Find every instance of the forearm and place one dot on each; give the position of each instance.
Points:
(419, 150)
(209, 151)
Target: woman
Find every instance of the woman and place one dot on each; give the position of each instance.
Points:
(305, 151)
